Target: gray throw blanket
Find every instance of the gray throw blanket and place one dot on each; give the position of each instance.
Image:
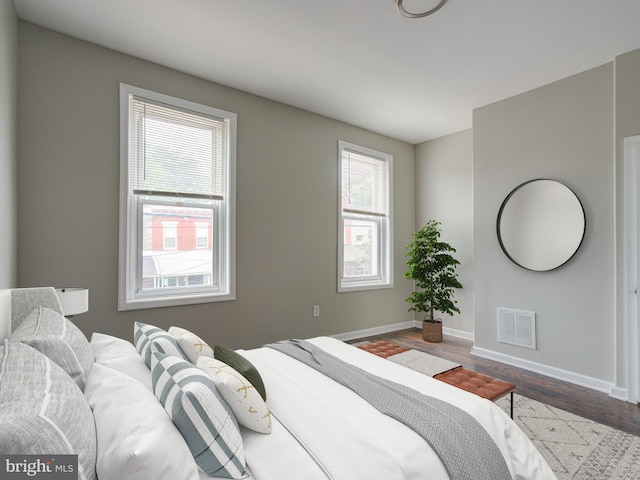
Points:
(465, 448)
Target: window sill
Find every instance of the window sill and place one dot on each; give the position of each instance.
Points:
(172, 301)
(359, 286)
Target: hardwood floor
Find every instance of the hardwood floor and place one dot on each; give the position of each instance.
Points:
(581, 401)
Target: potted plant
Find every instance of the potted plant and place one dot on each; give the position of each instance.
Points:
(433, 269)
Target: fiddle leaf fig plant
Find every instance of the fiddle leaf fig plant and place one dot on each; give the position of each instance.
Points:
(433, 269)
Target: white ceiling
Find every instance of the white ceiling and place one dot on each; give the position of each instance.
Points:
(358, 60)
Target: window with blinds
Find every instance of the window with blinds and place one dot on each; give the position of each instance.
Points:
(177, 201)
(365, 218)
(175, 152)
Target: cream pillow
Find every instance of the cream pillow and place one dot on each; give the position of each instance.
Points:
(245, 401)
(191, 344)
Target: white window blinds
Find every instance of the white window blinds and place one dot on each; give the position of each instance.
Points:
(176, 152)
(364, 184)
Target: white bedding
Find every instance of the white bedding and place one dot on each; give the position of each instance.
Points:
(321, 430)
(349, 439)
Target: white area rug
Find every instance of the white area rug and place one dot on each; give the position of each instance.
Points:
(423, 362)
(577, 448)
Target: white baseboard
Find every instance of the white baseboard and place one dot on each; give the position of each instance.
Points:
(458, 333)
(619, 393)
(449, 331)
(394, 327)
(369, 332)
(553, 372)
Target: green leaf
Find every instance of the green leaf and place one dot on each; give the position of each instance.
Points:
(433, 269)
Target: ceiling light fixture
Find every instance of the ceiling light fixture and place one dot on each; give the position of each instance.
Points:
(404, 13)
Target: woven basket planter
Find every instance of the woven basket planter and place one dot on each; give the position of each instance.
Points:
(432, 331)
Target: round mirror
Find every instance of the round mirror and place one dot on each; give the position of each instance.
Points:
(541, 225)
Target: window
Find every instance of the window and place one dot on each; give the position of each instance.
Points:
(177, 213)
(170, 235)
(365, 218)
(202, 235)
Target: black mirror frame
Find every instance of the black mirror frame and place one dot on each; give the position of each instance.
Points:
(502, 207)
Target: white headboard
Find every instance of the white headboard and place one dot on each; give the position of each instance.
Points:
(5, 314)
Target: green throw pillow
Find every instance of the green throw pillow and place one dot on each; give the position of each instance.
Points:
(241, 365)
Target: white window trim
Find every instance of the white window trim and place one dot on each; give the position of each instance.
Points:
(128, 257)
(385, 279)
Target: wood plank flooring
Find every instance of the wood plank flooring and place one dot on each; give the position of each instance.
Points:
(581, 401)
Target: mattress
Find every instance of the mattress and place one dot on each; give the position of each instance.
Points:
(323, 430)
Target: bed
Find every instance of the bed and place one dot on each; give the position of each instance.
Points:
(165, 405)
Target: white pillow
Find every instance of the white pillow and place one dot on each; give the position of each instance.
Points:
(120, 355)
(191, 344)
(203, 417)
(136, 438)
(245, 401)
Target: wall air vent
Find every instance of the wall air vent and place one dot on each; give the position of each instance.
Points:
(517, 327)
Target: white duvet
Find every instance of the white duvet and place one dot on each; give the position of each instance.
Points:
(325, 431)
(322, 430)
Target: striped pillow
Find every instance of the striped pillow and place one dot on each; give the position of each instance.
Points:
(43, 411)
(201, 414)
(51, 333)
(149, 339)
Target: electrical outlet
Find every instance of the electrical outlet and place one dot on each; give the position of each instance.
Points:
(316, 311)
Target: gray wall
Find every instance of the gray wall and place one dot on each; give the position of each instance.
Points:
(8, 142)
(443, 192)
(569, 131)
(562, 131)
(287, 201)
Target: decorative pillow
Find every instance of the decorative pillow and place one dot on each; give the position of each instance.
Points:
(43, 411)
(143, 443)
(122, 356)
(201, 414)
(191, 344)
(245, 401)
(242, 366)
(149, 339)
(51, 333)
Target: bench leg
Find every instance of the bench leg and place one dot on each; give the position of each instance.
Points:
(511, 394)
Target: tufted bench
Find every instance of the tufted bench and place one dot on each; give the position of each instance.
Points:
(382, 348)
(478, 383)
(474, 382)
